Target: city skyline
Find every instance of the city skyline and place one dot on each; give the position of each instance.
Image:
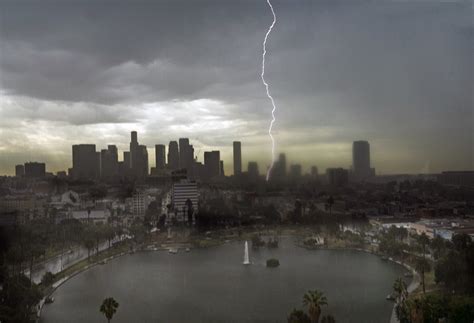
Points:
(91, 162)
(360, 163)
(336, 76)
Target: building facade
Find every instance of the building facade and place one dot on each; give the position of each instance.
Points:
(237, 157)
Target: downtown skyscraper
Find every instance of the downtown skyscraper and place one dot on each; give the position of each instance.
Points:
(237, 157)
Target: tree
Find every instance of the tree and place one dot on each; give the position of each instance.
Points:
(314, 299)
(423, 240)
(88, 243)
(109, 308)
(416, 311)
(48, 279)
(18, 298)
(438, 246)
(455, 268)
(401, 307)
(422, 265)
(298, 316)
(330, 203)
(461, 242)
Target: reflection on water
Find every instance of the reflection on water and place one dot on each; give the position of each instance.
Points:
(212, 285)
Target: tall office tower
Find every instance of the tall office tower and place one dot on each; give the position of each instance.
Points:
(212, 163)
(183, 149)
(295, 171)
(85, 162)
(138, 157)
(109, 162)
(143, 168)
(126, 160)
(134, 153)
(199, 171)
(134, 137)
(34, 169)
(237, 158)
(279, 168)
(221, 168)
(19, 170)
(252, 170)
(314, 171)
(361, 159)
(173, 155)
(190, 162)
(160, 156)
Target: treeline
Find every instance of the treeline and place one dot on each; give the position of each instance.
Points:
(22, 247)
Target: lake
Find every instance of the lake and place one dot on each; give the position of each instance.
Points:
(212, 285)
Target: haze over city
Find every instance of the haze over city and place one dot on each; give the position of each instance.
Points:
(395, 73)
(196, 161)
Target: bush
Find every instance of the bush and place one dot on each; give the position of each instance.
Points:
(273, 263)
(257, 241)
(48, 279)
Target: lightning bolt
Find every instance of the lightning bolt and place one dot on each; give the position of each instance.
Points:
(268, 91)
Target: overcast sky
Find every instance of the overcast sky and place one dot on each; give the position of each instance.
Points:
(396, 73)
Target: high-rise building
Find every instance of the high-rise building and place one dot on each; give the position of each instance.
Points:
(337, 176)
(160, 156)
(361, 160)
(35, 169)
(252, 170)
(20, 170)
(212, 163)
(237, 157)
(109, 162)
(126, 160)
(183, 152)
(138, 157)
(144, 168)
(221, 168)
(190, 162)
(314, 172)
(85, 162)
(279, 168)
(173, 155)
(186, 156)
(295, 171)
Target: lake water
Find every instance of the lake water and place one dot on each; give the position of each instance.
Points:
(212, 285)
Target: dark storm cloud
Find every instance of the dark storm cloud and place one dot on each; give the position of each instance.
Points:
(398, 73)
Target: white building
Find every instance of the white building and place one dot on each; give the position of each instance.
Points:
(67, 199)
(140, 202)
(92, 216)
(184, 194)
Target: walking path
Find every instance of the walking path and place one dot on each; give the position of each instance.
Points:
(63, 261)
(415, 282)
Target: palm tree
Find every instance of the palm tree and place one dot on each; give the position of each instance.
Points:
(109, 307)
(314, 299)
(330, 203)
(422, 265)
(400, 288)
(298, 316)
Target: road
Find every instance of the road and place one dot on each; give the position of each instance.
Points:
(60, 262)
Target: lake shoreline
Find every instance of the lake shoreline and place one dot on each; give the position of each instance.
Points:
(167, 246)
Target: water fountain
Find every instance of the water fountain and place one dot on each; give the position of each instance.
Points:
(246, 254)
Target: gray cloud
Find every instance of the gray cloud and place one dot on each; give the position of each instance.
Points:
(398, 73)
